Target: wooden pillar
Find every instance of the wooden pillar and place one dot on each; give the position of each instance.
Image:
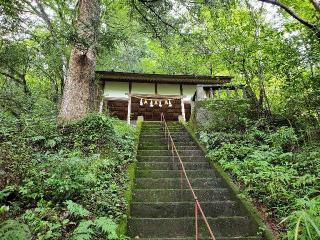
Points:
(211, 93)
(101, 105)
(183, 112)
(129, 109)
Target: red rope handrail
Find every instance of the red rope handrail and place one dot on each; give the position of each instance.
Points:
(168, 136)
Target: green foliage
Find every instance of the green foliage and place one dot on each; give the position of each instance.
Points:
(57, 179)
(83, 231)
(90, 133)
(284, 137)
(14, 230)
(107, 226)
(101, 226)
(44, 220)
(304, 224)
(234, 115)
(272, 166)
(76, 209)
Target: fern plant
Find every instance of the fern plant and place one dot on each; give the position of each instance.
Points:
(76, 209)
(305, 223)
(89, 228)
(14, 230)
(101, 226)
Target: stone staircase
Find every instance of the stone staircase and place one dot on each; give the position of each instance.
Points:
(161, 210)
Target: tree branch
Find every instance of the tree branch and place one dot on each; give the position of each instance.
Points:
(303, 21)
(146, 20)
(156, 14)
(8, 75)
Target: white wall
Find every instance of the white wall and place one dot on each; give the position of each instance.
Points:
(116, 89)
(143, 88)
(169, 89)
(188, 91)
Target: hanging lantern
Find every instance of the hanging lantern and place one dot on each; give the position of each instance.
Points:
(141, 102)
(155, 102)
(170, 105)
(151, 103)
(145, 101)
(166, 102)
(160, 104)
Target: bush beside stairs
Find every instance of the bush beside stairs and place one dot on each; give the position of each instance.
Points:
(161, 210)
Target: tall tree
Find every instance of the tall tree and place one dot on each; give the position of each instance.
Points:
(78, 97)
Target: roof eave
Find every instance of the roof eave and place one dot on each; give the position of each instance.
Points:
(161, 78)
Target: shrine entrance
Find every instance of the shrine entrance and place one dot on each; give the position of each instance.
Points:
(151, 107)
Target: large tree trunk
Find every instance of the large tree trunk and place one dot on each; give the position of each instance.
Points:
(78, 99)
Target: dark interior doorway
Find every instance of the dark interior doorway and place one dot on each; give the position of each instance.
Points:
(154, 113)
(119, 108)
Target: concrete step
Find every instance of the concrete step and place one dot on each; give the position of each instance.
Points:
(165, 141)
(184, 209)
(175, 174)
(172, 166)
(185, 227)
(161, 133)
(177, 195)
(165, 147)
(156, 158)
(163, 209)
(206, 238)
(161, 129)
(182, 153)
(178, 127)
(177, 136)
(175, 183)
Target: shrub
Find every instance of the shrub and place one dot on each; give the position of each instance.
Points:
(84, 164)
(267, 164)
(285, 138)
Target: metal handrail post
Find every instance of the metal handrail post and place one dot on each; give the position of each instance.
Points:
(196, 219)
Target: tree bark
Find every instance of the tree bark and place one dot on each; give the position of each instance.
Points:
(77, 100)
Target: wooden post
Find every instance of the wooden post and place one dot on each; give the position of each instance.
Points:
(129, 109)
(211, 93)
(101, 105)
(183, 112)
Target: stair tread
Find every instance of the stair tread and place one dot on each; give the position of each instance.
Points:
(217, 238)
(234, 226)
(185, 202)
(161, 210)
